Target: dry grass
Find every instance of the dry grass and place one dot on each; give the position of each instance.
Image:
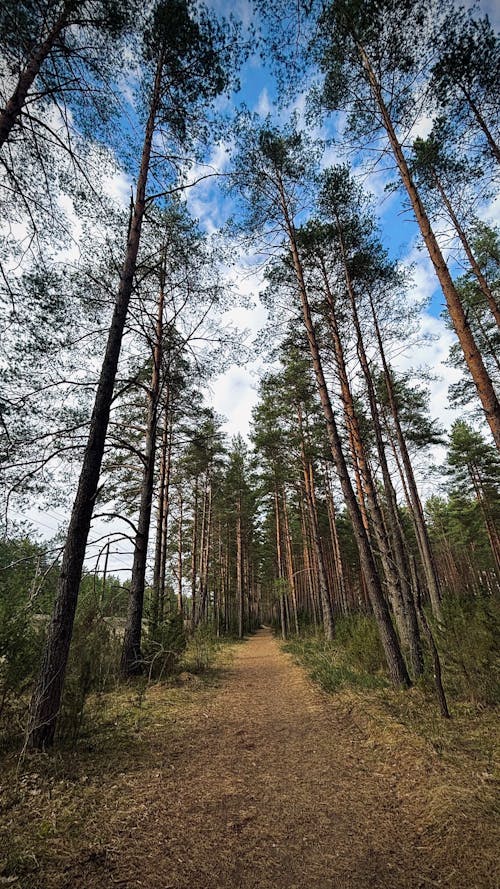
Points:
(448, 772)
(58, 811)
(254, 779)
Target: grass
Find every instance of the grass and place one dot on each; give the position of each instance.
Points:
(322, 662)
(460, 753)
(55, 806)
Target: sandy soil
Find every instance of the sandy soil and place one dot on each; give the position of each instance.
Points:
(267, 784)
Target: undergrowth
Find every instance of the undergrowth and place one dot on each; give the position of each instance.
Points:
(122, 729)
(352, 667)
(355, 658)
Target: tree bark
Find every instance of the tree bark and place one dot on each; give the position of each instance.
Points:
(436, 661)
(481, 280)
(131, 660)
(337, 555)
(46, 698)
(10, 114)
(180, 603)
(239, 569)
(289, 558)
(417, 511)
(164, 523)
(482, 381)
(397, 581)
(494, 148)
(396, 665)
(325, 599)
(194, 556)
(155, 590)
(399, 576)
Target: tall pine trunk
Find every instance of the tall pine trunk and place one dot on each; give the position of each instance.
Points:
(408, 623)
(395, 663)
(417, 511)
(324, 593)
(474, 361)
(46, 698)
(131, 651)
(481, 280)
(158, 590)
(14, 106)
(239, 569)
(290, 564)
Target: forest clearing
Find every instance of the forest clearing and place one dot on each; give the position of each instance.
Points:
(249, 443)
(258, 779)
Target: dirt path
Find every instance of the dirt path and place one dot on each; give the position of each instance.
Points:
(269, 785)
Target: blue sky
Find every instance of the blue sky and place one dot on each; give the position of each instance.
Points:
(233, 393)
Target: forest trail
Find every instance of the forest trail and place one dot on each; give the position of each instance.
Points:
(268, 783)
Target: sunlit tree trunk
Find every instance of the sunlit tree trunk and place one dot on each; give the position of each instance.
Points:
(394, 580)
(417, 511)
(481, 280)
(290, 563)
(395, 662)
(482, 381)
(239, 568)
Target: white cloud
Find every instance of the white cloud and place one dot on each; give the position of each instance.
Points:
(420, 129)
(234, 395)
(263, 106)
(118, 187)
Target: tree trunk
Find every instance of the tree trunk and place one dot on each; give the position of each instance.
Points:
(436, 662)
(395, 662)
(180, 603)
(308, 571)
(205, 550)
(279, 562)
(155, 589)
(394, 581)
(164, 524)
(417, 511)
(15, 104)
(400, 584)
(494, 148)
(289, 558)
(481, 280)
(239, 570)
(326, 604)
(131, 660)
(482, 381)
(194, 555)
(46, 698)
(337, 555)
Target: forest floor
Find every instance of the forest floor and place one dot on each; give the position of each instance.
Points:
(254, 780)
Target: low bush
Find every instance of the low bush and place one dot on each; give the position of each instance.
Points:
(92, 666)
(202, 649)
(354, 657)
(358, 637)
(468, 642)
(164, 647)
(21, 640)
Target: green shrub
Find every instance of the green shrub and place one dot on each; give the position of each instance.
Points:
(332, 664)
(163, 648)
(468, 642)
(92, 666)
(21, 640)
(26, 588)
(358, 637)
(202, 649)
